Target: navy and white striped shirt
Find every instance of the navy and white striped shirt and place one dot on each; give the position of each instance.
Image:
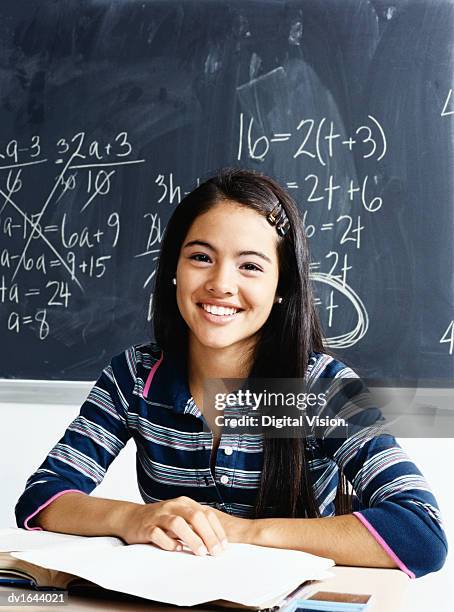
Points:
(144, 395)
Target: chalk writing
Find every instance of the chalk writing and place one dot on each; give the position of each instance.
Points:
(320, 194)
(58, 252)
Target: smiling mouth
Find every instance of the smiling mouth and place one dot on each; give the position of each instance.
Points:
(219, 311)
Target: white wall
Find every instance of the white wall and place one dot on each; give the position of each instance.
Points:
(22, 449)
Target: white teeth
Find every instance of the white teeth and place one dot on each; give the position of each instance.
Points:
(219, 310)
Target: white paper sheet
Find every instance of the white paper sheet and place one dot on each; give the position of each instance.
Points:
(21, 539)
(245, 574)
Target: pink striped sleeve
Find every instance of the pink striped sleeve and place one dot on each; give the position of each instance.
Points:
(151, 375)
(400, 564)
(49, 501)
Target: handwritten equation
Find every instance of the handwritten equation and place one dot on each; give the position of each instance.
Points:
(309, 138)
(318, 142)
(52, 252)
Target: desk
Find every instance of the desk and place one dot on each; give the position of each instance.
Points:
(386, 585)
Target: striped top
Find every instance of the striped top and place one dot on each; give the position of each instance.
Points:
(144, 395)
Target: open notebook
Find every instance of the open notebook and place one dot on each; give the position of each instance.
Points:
(242, 576)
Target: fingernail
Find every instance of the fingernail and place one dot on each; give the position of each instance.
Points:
(179, 548)
(216, 549)
(202, 551)
(224, 543)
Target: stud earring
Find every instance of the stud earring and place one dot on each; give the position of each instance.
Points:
(174, 280)
(280, 300)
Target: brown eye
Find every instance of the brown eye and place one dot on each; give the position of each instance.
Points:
(199, 257)
(252, 267)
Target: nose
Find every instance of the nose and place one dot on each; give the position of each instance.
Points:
(221, 281)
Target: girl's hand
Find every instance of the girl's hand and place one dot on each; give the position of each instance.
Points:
(170, 522)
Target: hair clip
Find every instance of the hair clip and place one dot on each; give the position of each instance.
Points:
(278, 218)
(283, 228)
(274, 215)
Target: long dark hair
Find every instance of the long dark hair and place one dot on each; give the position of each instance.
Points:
(291, 332)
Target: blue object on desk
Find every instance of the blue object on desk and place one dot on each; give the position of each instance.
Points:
(329, 606)
(327, 601)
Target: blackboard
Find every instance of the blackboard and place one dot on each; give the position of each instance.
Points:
(110, 111)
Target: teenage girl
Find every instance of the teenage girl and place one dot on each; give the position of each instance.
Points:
(233, 299)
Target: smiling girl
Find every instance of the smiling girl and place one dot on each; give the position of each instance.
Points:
(233, 300)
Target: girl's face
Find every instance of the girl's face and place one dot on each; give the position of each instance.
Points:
(228, 260)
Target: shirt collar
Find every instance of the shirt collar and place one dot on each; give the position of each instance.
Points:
(170, 385)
